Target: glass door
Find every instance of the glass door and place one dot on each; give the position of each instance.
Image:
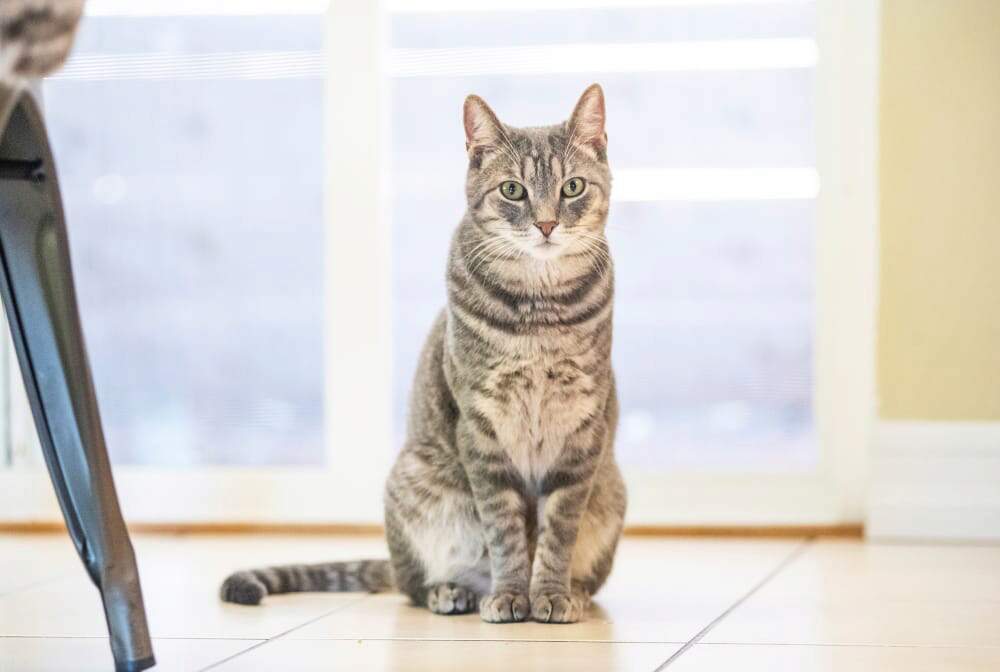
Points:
(260, 197)
(718, 145)
(191, 151)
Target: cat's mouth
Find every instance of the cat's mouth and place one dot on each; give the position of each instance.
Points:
(546, 249)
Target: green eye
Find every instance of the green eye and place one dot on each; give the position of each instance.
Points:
(574, 186)
(512, 191)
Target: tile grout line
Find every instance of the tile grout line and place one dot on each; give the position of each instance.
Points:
(268, 640)
(849, 645)
(479, 640)
(799, 550)
(7, 592)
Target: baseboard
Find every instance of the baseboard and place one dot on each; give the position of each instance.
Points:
(768, 531)
(219, 528)
(849, 531)
(935, 481)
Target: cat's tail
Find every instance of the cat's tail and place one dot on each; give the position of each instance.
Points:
(252, 585)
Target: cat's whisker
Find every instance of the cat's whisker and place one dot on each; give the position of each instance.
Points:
(506, 152)
(512, 251)
(569, 141)
(494, 244)
(472, 258)
(498, 243)
(482, 244)
(503, 134)
(509, 151)
(503, 255)
(483, 249)
(594, 259)
(596, 248)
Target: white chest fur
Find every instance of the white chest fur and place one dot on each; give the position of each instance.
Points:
(535, 406)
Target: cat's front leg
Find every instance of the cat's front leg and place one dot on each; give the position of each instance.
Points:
(499, 494)
(564, 492)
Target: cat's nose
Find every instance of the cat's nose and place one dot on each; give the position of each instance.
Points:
(546, 227)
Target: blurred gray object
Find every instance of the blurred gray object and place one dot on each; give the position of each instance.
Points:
(36, 283)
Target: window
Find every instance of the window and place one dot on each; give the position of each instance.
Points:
(260, 195)
(712, 145)
(190, 156)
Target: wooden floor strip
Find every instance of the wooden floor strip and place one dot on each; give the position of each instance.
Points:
(850, 531)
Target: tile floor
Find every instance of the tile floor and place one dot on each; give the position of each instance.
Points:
(678, 604)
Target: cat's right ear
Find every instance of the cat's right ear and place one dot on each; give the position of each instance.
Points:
(482, 128)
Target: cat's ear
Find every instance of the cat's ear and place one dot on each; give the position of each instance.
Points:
(482, 128)
(586, 126)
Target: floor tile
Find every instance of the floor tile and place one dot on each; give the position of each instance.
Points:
(423, 656)
(27, 560)
(876, 623)
(769, 658)
(853, 593)
(30, 654)
(181, 579)
(391, 616)
(838, 606)
(659, 591)
(847, 570)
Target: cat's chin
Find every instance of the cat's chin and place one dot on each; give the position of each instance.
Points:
(546, 251)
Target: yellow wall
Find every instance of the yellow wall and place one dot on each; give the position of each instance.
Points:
(939, 315)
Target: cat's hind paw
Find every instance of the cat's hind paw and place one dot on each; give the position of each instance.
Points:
(451, 598)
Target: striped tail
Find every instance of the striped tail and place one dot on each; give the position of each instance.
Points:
(251, 586)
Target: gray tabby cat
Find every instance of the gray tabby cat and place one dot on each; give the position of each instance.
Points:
(506, 496)
(35, 36)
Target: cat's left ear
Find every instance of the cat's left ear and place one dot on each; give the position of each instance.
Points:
(586, 126)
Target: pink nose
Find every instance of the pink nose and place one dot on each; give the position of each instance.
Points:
(546, 227)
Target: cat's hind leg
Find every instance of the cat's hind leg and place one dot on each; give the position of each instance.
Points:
(435, 538)
(440, 560)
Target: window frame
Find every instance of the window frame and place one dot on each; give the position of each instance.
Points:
(358, 327)
(347, 487)
(844, 344)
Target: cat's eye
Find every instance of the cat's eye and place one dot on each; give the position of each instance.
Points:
(574, 186)
(512, 191)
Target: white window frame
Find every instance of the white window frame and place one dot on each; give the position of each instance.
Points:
(358, 341)
(359, 437)
(844, 343)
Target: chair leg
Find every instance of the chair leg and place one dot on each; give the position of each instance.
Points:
(37, 287)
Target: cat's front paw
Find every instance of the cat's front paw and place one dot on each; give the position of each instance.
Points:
(557, 607)
(504, 607)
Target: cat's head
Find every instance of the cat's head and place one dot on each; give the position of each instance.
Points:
(544, 190)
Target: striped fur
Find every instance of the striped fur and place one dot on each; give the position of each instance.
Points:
(250, 586)
(506, 497)
(35, 36)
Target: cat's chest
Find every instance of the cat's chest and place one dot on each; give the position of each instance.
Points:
(535, 405)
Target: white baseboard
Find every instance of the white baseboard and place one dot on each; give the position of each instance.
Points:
(935, 481)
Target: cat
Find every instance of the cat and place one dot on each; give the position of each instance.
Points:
(506, 497)
(35, 37)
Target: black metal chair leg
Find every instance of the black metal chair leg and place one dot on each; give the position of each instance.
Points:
(37, 287)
